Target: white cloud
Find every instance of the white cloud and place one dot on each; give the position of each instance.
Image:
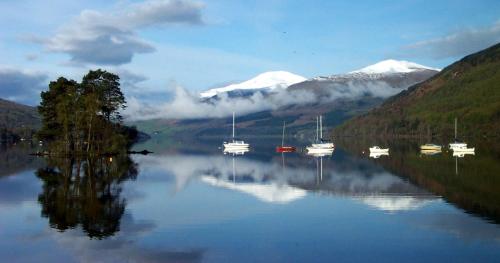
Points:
(186, 105)
(101, 38)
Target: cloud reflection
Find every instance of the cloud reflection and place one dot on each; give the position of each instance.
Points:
(273, 182)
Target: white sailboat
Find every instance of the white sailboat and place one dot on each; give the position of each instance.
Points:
(235, 145)
(321, 146)
(378, 150)
(458, 147)
(456, 144)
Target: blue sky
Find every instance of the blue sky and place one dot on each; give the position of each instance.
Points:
(156, 45)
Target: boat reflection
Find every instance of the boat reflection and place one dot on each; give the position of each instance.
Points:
(430, 152)
(269, 181)
(320, 152)
(462, 154)
(235, 151)
(376, 155)
(267, 191)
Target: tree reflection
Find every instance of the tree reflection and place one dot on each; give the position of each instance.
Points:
(85, 193)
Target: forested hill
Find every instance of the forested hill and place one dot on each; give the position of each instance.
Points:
(468, 89)
(17, 120)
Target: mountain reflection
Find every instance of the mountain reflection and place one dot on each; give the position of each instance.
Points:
(85, 193)
(284, 179)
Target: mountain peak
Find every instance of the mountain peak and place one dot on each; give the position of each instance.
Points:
(393, 66)
(266, 80)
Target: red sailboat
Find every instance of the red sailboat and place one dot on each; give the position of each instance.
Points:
(283, 148)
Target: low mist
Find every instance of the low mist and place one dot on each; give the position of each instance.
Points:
(188, 105)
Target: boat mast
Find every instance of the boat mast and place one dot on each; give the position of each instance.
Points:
(320, 127)
(234, 172)
(455, 129)
(321, 169)
(233, 125)
(283, 136)
(317, 129)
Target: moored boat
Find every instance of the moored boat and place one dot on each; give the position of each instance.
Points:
(430, 147)
(283, 148)
(319, 152)
(377, 149)
(456, 144)
(320, 143)
(235, 144)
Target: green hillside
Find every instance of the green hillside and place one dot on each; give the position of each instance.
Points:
(468, 89)
(17, 121)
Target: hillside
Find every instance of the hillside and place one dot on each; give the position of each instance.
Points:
(17, 120)
(468, 89)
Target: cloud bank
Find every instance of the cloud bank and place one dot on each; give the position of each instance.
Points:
(187, 105)
(111, 38)
(458, 44)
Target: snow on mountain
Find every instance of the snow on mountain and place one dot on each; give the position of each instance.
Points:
(393, 66)
(267, 80)
(394, 203)
(270, 193)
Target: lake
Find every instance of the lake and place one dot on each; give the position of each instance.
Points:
(188, 202)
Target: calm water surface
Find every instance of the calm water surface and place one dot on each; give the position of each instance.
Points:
(191, 203)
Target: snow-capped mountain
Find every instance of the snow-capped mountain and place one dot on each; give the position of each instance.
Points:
(337, 97)
(268, 80)
(393, 66)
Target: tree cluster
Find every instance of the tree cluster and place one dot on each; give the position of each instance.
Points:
(84, 118)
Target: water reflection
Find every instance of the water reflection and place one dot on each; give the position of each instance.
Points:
(469, 181)
(287, 178)
(85, 193)
(376, 155)
(201, 205)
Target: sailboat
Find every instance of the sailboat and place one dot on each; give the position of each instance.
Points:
(321, 145)
(283, 148)
(376, 151)
(235, 145)
(458, 146)
(430, 149)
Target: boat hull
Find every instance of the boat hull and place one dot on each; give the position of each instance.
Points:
(464, 149)
(318, 150)
(377, 155)
(236, 145)
(285, 149)
(236, 151)
(379, 150)
(322, 145)
(430, 148)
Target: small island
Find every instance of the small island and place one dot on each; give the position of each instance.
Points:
(83, 119)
